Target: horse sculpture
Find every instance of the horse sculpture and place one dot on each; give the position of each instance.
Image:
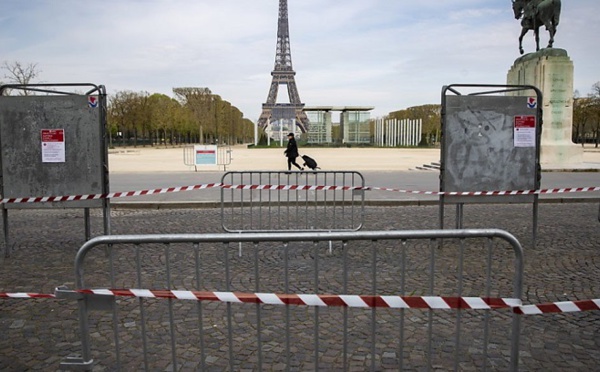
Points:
(536, 13)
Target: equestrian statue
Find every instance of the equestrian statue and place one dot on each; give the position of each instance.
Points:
(534, 14)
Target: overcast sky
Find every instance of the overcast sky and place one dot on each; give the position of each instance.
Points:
(390, 54)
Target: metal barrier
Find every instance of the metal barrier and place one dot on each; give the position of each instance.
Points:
(286, 202)
(159, 334)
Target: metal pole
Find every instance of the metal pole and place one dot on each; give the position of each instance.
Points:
(86, 218)
(535, 218)
(86, 349)
(6, 236)
(459, 215)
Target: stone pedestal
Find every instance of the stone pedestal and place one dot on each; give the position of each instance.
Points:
(551, 71)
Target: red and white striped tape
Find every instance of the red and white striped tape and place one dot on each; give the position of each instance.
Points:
(494, 193)
(111, 195)
(294, 187)
(394, 302)
(450, 193)
(356, 301)
(559, 307)
(43, 199)
(25, 295)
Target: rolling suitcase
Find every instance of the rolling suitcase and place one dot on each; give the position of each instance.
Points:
(310, 162)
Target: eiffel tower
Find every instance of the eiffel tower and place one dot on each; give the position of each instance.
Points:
(283, 74)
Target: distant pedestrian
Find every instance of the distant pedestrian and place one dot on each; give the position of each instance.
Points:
(292, 152)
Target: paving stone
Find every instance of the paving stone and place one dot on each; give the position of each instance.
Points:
(564, 265)
(17, 324)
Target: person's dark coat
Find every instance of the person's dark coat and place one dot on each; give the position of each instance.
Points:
(292, 149)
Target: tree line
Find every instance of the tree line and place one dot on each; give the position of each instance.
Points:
(195, 116)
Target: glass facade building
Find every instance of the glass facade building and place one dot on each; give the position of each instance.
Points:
(356, 126)
(279, 129)
(320, 126)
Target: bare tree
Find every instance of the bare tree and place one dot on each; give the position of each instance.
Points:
(595, 97)
(18, 73)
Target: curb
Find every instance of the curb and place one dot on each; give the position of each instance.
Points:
(367, 203)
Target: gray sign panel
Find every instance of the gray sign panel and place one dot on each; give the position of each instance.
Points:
(30, 170)
(482, 147)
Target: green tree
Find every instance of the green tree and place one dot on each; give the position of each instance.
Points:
(195, 116)
(199, 102)
(164, 112)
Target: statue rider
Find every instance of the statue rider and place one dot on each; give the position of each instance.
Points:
(529, 12)
(533, 15)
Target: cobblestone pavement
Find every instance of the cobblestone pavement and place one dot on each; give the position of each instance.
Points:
(39, 333)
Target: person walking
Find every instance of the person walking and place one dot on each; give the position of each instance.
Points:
(292, 152)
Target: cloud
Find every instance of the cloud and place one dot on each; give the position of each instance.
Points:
(389, 54)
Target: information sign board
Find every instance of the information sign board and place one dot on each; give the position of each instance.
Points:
(205, 154)
(53, 145)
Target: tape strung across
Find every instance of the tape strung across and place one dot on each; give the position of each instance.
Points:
(44, 199)
(559, 307)
(25, 295)
(393, 302)
(399, 302)
(495, 193)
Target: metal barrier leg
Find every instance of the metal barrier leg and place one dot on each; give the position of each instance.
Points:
(535, 219)
(86, 218)
(459, 216)
(6, 236)
(84, 361)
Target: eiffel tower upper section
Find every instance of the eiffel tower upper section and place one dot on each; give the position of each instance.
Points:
(283, 74)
